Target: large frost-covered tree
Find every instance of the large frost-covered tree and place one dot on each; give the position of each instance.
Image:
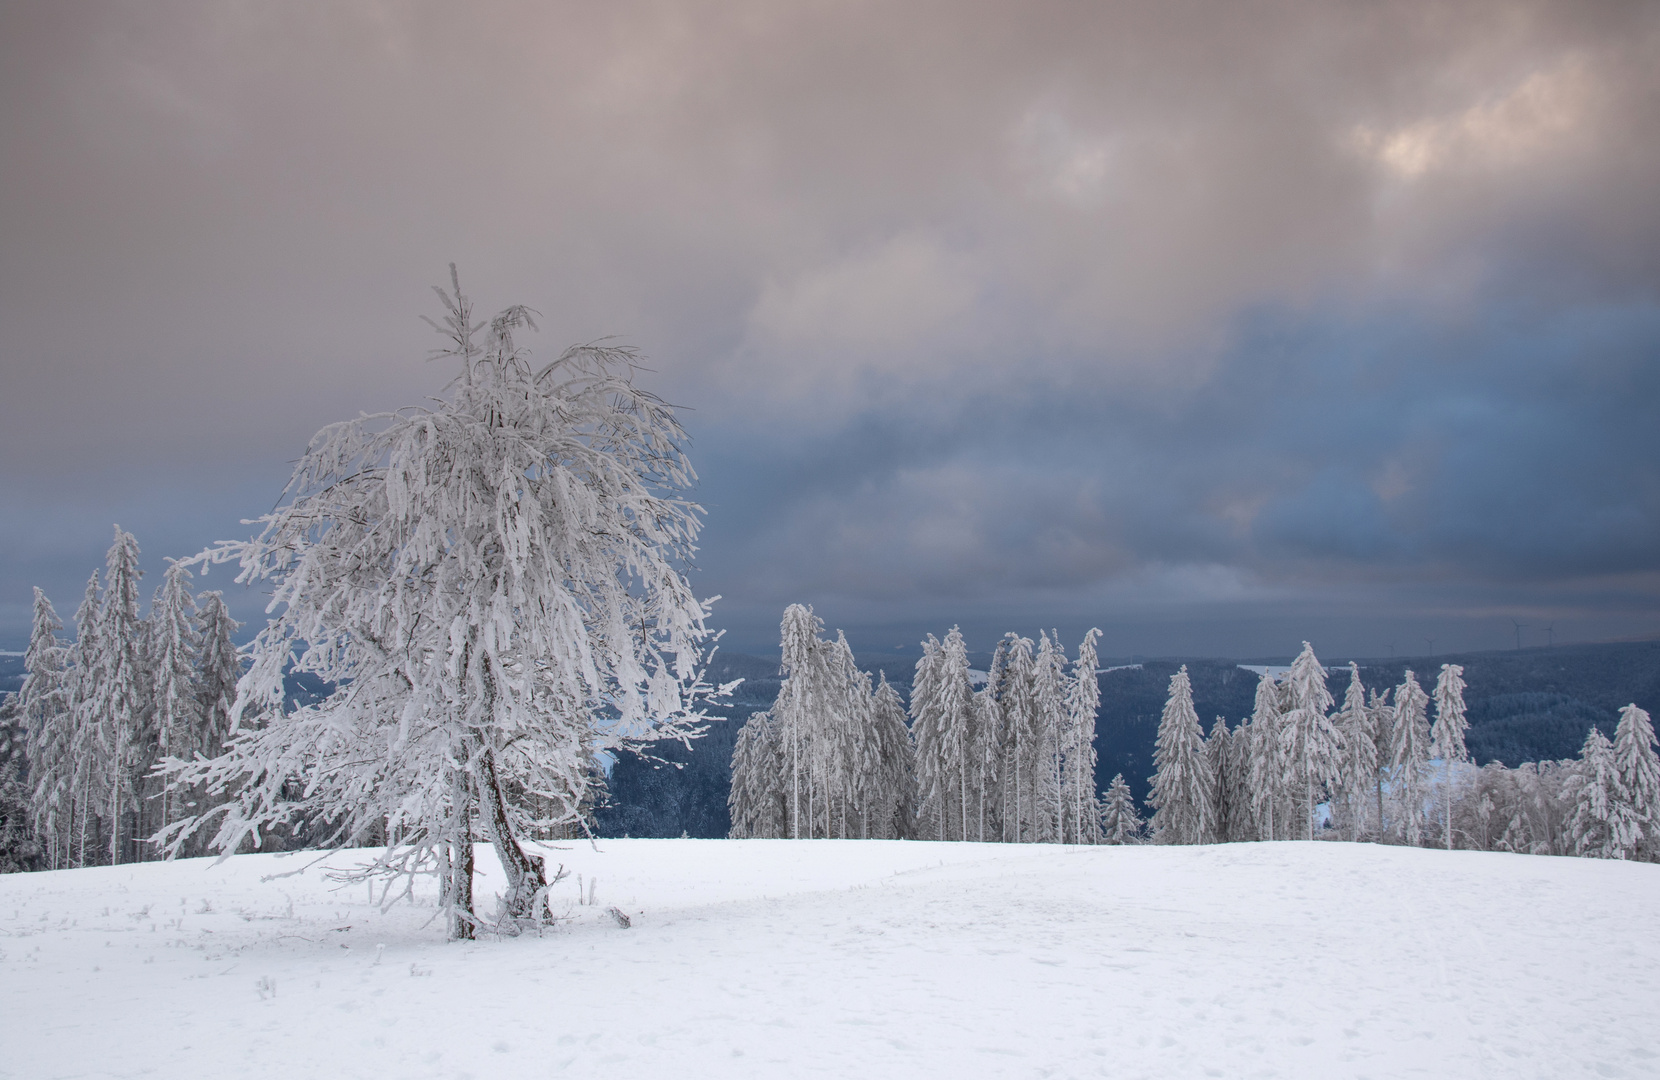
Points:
(1180, 795)
(494, 586)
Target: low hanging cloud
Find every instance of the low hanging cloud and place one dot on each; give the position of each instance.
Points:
(1150, 312)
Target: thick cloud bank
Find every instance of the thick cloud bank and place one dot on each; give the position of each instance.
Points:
(1216, 326)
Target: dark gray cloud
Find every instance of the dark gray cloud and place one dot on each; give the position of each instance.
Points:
(1197, 322)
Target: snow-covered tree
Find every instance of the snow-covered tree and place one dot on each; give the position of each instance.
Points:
(1078, 780)
(942, 722)
(47, 715)
(1597, 828)
(119, 701)
(758, 798)
(220, 668)
(1446, 736)
(175, 665)
(1219, 761)
(85, 749)
(1357, 728)
(1638, 772)
(1309, 743)
(1409, 752)
(889, 798)
(494, 587)
(1120, 823)
(1267, 764)
(1180, 795)
(1052, 720)
(1382, 713)
(1021, 744)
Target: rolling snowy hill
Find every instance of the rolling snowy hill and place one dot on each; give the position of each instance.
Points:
(849, 958)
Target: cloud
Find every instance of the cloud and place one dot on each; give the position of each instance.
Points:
(978, 308)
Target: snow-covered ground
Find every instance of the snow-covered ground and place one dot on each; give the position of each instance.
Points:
(771, 958)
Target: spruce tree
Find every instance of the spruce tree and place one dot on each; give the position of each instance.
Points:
(892, 800)
(1020, 735)
(1120, 823)
(47, 715)
(1596, 827)
(1447, 736)
(1180, 795)
(1083, 699)
(122, 701)
(175, 663)
(1219, 762)
(1638, 771)
(1408, 754)
(1267, 767)
(1308, 738)
(1357, 727)
(1051, 721)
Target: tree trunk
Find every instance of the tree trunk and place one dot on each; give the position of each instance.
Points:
(458, 859)
(525, 878)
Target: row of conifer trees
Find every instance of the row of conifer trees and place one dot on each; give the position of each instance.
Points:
(1377, 768)
(1012, 760)
(97, 714)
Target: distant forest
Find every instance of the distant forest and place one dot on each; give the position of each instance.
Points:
(1533, 704)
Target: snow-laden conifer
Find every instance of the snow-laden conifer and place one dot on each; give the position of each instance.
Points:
(1219, 761)
(758, 797)
(1120, 823)
(120, 699)
(90, 766)
(1083, 699)
(1382, 713)
(889, 804)
(494, 587)
(942, 721)
(1267, 764)
(1309, 742)
(1356, 727)
(1409, 752)
(1597, 828)
(47, 714)
(220, 668)
(175, 665)
(1180, 795)
(1638, 771)
(1446, 737)
(1020, 734)
(1052, 721)
(1242, 825)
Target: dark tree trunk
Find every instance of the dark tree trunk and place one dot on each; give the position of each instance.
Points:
(525, 877)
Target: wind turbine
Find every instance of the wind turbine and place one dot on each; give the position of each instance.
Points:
(1431, 645)
(1520, 626)
(1550, 634)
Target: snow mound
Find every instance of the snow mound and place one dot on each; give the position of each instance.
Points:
(770, 958)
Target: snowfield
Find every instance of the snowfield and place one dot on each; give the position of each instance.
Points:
(769, 958)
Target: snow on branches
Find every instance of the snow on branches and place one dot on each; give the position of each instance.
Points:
(493, 585)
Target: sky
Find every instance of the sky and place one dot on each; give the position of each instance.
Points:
(1217, 327)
